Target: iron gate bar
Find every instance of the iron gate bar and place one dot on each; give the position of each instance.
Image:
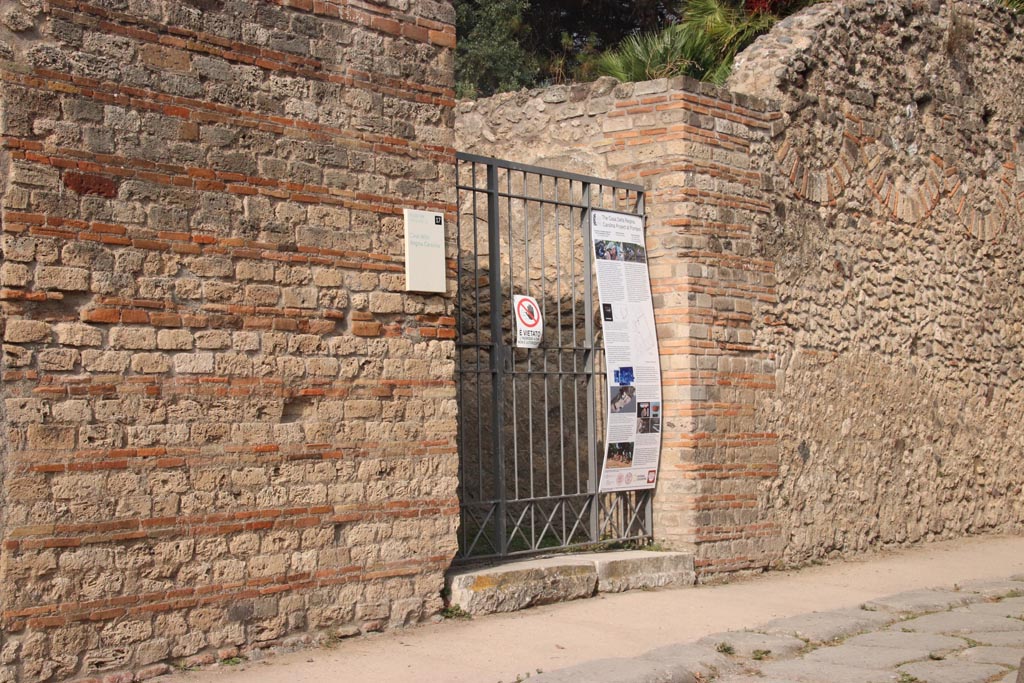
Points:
(556, 209)
(547, 172)
(497, 351)
(588, 360)
(514, 508)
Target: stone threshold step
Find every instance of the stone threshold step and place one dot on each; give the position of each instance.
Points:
(516, 585)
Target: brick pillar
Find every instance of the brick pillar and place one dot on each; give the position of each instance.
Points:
(690, 145)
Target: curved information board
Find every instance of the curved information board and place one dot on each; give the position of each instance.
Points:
(633, 432)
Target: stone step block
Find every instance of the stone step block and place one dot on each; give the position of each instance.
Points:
(642, 570)
(517, 585)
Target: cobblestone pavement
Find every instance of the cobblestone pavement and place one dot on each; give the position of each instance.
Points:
(972, 633)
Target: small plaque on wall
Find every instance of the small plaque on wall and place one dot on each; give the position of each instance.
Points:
(424, 251)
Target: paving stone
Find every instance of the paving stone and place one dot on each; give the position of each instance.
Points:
(746, 642)
(922, 601)
(818, 672)
(681, 663)
(632, 670)
(821, 627)
(995, 589)
(983, 654)
(1010, 607)
(695, 658)
(952, 671)
(859, 656)
(997, 638)
(879, 655)
(932, 642)
(959, 622)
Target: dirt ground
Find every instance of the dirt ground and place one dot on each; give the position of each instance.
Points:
(503, 647)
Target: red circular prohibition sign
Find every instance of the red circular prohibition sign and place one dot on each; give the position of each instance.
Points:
(526, 314)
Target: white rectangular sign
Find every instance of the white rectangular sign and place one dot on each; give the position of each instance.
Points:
(424, 251)
(635, 412)
(529, 321)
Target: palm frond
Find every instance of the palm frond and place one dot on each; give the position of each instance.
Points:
(671, 52)
(702, 45)
(728, 26)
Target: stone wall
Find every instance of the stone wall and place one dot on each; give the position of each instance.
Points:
(835, 253)
(897, 234)
(226, 426)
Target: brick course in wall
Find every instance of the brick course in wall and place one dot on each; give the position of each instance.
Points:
(226, 425)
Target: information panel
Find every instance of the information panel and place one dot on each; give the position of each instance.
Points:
(633, 433)
(424, 251)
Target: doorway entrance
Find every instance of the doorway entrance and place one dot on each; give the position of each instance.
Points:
(531, 420)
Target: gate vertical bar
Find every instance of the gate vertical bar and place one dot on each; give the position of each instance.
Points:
(588, 368)
(648, 521)
(460, 437)
(497, 354)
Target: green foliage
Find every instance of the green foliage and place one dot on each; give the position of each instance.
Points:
(568, 36)
(702, 45)
(489, 55)
(667, 53)
(509, 44)
(727, 27)
(455, 612)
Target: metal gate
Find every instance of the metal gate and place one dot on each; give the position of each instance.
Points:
(531, 421)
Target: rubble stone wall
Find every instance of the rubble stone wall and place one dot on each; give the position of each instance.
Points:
(897, 232)
(226, 425)
(836, 256)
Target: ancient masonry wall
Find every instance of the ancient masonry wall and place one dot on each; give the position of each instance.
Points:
(899, 325)
(836, 254)
(226, 426)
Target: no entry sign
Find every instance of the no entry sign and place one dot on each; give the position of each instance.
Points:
(529, 322)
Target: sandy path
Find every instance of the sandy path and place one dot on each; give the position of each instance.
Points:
(500, 647)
